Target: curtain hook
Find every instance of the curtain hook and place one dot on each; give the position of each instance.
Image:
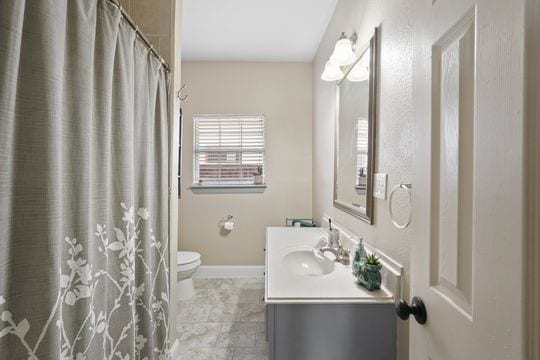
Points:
(178, 96)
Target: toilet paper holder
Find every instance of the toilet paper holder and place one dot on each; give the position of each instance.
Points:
(226, 220)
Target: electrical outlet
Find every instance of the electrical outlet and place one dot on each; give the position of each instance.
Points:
(379, 188)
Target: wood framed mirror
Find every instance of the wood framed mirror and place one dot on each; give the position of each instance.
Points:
(356, 118)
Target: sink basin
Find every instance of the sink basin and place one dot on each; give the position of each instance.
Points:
(303, 262)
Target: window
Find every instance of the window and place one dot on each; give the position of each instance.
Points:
(228, 150)
(362, 127)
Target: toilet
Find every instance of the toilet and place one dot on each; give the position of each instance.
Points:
(188, 262)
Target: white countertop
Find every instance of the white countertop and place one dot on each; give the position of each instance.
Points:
(284, 286)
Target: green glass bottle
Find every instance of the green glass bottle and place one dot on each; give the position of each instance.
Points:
(359, 255)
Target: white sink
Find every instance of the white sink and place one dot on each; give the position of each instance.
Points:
(303, 262)
(293, 275)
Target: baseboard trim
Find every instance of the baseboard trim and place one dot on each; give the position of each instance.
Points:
(175, 350)
(228, 271)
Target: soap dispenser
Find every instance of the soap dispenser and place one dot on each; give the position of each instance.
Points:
(359, 255)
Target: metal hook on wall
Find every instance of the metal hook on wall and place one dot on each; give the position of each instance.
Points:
(178, 96)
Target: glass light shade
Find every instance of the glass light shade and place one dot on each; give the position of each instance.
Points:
(332, 72)
(365, 59)
(343, 54)
(358, 73)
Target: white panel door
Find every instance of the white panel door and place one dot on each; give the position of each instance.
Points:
(466, 263)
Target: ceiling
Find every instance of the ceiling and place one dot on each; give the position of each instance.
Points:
(254, 30)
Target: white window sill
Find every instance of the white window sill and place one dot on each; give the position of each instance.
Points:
(228, 189)
(360, 189)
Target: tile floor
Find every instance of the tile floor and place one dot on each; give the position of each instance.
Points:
(224, 321)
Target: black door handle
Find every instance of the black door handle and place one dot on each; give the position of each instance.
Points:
(417, 308)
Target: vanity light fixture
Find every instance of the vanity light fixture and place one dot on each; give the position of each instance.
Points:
(343, 55)
(332, 72)
(360, 71)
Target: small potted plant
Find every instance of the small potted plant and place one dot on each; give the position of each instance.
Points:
(370, 273)
(258, 175)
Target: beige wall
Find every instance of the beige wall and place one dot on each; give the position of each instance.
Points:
(394, 152)
(156, 19)
(283, 93)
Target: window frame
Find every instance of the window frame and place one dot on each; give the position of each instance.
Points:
(227, 187)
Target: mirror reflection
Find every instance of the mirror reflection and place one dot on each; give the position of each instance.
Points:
(355, 116)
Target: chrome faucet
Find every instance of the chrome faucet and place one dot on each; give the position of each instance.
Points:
(342, 255)
(332, 244)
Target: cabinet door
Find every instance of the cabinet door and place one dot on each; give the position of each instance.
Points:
(269, 320)
(334, 331)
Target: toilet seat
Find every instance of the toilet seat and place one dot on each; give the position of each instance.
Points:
(187, 257)
(188, 260)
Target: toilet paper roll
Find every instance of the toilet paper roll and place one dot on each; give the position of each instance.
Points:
(228, 225)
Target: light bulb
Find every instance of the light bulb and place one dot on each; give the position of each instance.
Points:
(358, 73)
(343, 54)
(332, 72)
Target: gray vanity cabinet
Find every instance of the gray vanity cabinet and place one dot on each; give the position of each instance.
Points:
(331, 331)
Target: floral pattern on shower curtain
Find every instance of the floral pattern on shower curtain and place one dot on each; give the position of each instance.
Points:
(84, 269)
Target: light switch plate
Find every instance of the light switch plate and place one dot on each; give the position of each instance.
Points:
(379, 188)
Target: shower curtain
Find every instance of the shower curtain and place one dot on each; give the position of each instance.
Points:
(83, 185)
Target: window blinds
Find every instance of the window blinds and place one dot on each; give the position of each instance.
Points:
(228, 149)
(362, 146)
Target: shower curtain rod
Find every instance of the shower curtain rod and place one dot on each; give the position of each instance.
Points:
(135, 27)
